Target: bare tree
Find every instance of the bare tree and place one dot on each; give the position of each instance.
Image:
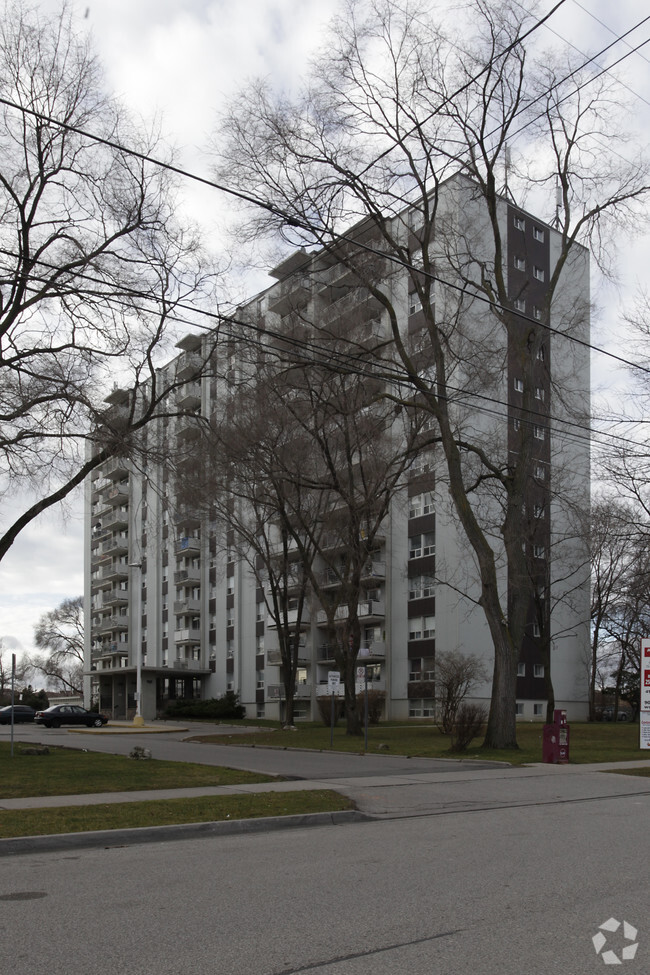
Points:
(59, 635)
(303, 467)
(456, 674)
(6, 657)
(394, 109)
(93, 266)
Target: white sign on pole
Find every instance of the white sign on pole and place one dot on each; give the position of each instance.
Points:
(333, 681)
(645, 675)
(644, 729)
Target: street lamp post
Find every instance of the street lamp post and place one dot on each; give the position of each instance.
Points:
(138, 719)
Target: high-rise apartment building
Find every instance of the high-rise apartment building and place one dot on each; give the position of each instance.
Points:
(171, 602)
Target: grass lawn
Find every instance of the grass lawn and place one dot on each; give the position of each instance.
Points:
(597, 742)
(128, 815)
(67, 771)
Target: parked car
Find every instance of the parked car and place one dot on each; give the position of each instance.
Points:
(607, 714)
(22, 712)
(60, 714)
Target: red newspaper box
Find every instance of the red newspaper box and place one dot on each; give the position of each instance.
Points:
(555, 744)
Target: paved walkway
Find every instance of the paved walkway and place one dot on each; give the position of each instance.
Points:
(381, 786)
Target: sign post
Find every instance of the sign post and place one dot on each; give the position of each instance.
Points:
(333, 684)
(644, 696)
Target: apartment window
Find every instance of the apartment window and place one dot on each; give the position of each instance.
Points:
(415, 673)
(521, 669)
(519, 385)
(540, 472)
(520, 264)
(415, 547)
(415, 305)
(536, 630)
(516, 424)
(541, 355)
(415, 628)
(429, 543)
(415, 588)
(423, 708)
(537, 313)
(415, 506)
(538, 670)
(538, 234)
(520, 223)
(539, 433)
(421, 587)
(538, 551)
(539, 393)
(538, 273)
(423, 463)
(421, 504)
(538, 710)
(538, 511)
(520, 304)
(422, 628)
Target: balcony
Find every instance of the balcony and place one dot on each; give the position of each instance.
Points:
(117, 545)
(186, 518)
(187, 576)
(117, 494)
(274, 657)
(373, 570)
(292, 617)
(188, 545)
(116, 570)
(276, 692)
(116, 469)
(292, 293)
(357, 303)
(117, 519)
(188, 396)
(189, 366)
(372, 651)
(116, 597)
(187, 636)
(368, 609)
(184, 606)
(118, 622)
(188, 428)
(325, 653)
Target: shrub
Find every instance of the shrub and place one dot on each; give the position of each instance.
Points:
(325, 709)
(216, 708)
(375, 705)
(470, 719)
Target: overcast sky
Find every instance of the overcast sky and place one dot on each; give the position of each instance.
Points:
(181, 59)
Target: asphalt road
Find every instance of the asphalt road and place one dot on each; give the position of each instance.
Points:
(508, 890)
(173, 746)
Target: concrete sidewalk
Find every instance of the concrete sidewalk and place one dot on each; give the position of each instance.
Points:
(413, 793)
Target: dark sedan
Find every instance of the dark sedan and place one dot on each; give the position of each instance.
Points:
(22, 712)
(60, 714)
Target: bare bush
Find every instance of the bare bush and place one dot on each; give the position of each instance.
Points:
(469, 723)
(456, 675)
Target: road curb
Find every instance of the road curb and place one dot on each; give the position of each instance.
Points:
(187, 831)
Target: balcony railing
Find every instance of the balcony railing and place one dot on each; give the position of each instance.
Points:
(183, 606)
(190, 574)
(365, 609)
(276, 692)
(187, 636)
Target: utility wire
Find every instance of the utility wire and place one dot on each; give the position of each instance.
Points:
(321, 354)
